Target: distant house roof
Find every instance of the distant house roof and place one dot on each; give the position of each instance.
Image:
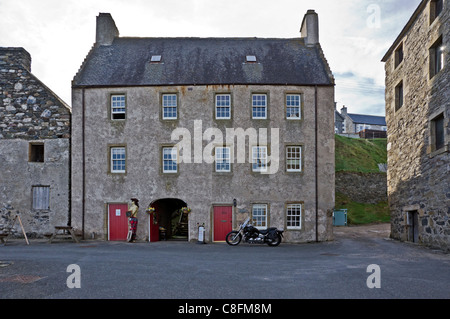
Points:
(204, 61)
(338, 116)
(368, 119)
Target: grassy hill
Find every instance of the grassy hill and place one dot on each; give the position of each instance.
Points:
(362, 156)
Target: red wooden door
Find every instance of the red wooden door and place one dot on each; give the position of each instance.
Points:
(223, 218)
(117, 222)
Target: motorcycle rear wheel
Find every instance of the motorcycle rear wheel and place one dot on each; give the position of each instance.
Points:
(276, 242)
(233, 238)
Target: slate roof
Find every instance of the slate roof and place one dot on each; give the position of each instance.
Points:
(368, 119)
(204, 61)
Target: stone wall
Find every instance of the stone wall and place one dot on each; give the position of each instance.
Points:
(143, 133)
(28, 109)
(418, 175)
(30, 113)
(370, 188)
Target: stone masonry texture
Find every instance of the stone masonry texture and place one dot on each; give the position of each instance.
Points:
(418, 174)
(31, 114)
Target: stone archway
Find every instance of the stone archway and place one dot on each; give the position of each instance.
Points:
(170, 222)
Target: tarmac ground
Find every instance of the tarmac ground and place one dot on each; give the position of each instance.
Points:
(361, 263)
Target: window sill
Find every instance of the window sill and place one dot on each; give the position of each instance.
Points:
(440, 151)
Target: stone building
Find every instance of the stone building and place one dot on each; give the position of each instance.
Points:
(34, 147)
(417, 113)
(355, 123)
(229, 127)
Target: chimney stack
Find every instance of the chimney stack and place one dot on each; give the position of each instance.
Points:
(106, 29)
(344, 110)
(310, 28)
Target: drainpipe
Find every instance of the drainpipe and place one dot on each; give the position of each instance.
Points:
(316, 163)
(83, 155)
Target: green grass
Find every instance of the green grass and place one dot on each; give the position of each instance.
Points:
(361, 213)
(360, 155)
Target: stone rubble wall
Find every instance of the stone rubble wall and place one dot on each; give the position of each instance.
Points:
(28, 109)
(370, 188)
(418, 175)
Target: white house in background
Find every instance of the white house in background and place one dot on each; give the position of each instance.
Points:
(355, 123)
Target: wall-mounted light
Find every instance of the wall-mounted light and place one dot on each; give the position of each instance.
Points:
(234, 202)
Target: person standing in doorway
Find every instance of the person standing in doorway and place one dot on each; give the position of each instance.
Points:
(133, 211)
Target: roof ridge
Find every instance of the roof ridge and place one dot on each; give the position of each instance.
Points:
(365, 114)
(208, 38)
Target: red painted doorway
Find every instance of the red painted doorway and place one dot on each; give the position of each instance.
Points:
(223, 218)
(117, 222)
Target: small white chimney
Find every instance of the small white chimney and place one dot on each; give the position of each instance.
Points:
(106, 29)
(310, 28)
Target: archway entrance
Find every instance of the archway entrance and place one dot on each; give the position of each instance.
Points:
(168, 222)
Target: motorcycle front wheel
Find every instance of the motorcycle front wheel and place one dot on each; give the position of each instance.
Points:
(233, 238)
(275, 242)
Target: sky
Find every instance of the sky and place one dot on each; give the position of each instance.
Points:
(354, 34)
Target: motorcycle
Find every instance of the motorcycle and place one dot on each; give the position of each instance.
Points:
(252, 235)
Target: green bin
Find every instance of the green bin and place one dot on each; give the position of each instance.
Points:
(340, 217)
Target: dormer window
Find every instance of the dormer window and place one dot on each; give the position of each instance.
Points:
(251, 59)
(155, 59)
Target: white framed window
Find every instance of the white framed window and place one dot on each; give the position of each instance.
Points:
(293, 106)
(223, 106)
(259, 215)
(259, 106)
(169, 107)
(294, 159)
(118, 107)
(294, 216)
(223, 159)
(169, 160)
(259, 158)
(41, 197)
(118, 160)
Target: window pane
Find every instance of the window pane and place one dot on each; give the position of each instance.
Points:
(259, 216)
(439, 58)
(293, 106)
(439, 132)
(223, 106)
(170, 160)
(294, 159)
(118, 161)
(259, 158)
(223, 159)
(259, 105)
(170, 106)
(118, 107)
(294, 216)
